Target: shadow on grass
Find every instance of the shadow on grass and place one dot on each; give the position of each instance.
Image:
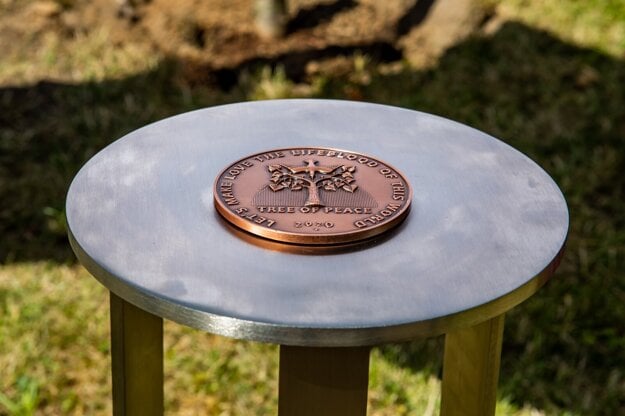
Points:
(48, 130)
(562, 105)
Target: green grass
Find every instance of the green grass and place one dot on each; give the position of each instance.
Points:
(550, 80)
(54, 339)
(597, 24)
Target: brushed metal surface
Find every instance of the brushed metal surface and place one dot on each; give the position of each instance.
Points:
(486, 228)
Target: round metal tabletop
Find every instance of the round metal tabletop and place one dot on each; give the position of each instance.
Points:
(486, 227)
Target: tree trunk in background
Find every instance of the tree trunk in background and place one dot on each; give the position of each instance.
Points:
(270, 16)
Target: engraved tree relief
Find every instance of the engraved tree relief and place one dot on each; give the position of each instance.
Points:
(312, 177)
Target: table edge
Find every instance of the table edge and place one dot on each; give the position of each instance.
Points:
(309, 336)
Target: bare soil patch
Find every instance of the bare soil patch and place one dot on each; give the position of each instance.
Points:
(217, 39)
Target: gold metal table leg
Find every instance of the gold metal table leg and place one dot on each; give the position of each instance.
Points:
(471, 369)
(323, 381)
(137, 358)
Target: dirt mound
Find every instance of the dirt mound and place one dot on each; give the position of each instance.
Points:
(217, 39)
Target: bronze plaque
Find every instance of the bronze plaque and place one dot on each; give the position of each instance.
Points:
(312, 195)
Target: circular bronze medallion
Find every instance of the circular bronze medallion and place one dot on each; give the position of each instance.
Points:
(312, 195)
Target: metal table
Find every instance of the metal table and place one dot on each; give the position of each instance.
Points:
(486, 229)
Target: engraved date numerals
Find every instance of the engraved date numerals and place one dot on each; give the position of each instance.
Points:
(315, 226)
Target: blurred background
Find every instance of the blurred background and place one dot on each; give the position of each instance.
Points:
(546, 76)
